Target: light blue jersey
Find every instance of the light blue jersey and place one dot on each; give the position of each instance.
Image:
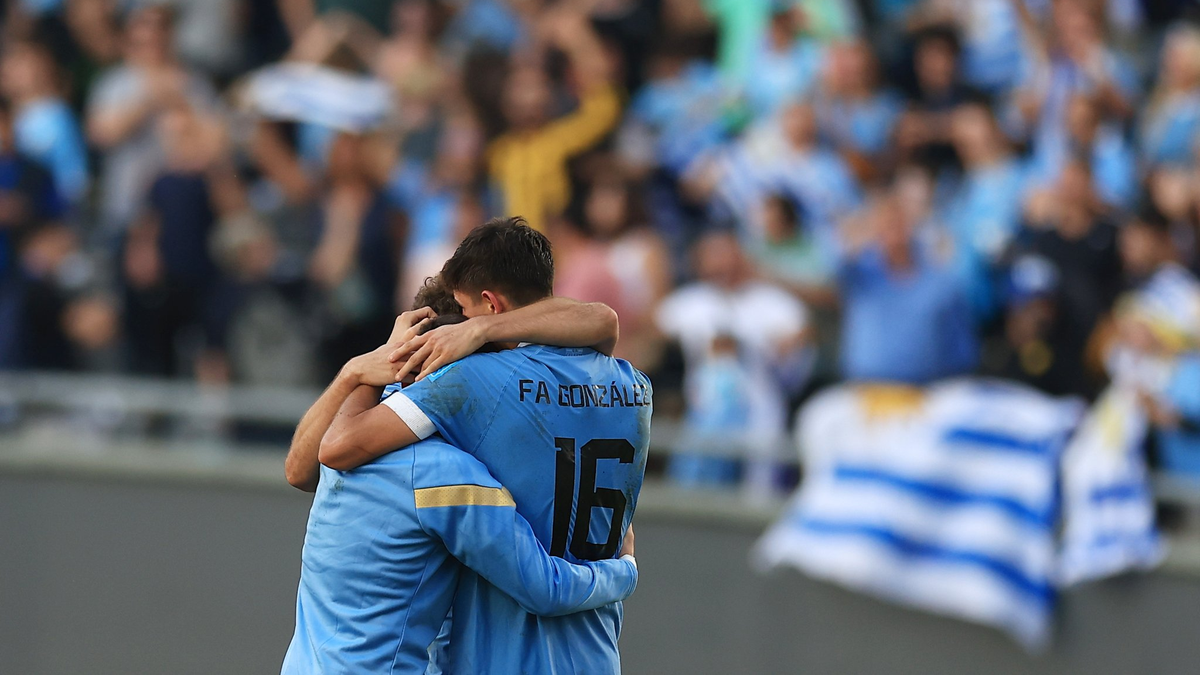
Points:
(379, 564)
(566, 430)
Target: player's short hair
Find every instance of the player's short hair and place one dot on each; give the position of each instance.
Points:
(504, 255)
(439, 321)
(437, 296)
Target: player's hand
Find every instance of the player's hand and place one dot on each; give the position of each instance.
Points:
(627, 545)
(372, 369)
(424, 354)
(407, 325)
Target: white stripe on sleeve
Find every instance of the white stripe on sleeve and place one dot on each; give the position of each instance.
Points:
(416, 419)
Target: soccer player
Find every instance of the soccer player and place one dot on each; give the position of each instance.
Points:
(378, 577)
(566, 430)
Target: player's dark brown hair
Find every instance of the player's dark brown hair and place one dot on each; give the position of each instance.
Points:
(504, 255)
(439, 321)
(437, 296)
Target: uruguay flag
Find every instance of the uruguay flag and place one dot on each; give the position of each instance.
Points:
(944, 499)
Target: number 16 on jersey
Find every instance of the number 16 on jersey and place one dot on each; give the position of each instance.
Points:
(586, 496)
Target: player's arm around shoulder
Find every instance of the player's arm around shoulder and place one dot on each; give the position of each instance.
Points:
(555, 321)
(363, 430)
(459, 502)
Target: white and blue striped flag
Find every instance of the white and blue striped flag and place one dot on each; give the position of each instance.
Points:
(305, 92)
(945, 499)
(1108, 510)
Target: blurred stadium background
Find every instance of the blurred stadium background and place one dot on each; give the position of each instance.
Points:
(207, 206)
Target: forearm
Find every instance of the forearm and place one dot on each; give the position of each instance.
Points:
(565, 588)
(297, 15)
(111, 127)
(556, 321)
(353, 439)
(500, 546)
(301, 466)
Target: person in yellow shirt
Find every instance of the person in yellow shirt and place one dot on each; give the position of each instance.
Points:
(528, 162)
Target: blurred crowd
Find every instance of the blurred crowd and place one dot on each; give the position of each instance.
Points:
(773, 194)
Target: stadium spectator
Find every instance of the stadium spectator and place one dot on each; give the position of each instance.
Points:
(1074, 59)
(618, 260)
(790, 254)
(209, 34)
(770, 326)
(1034, 345)
(905, 319)
(781, 154)
(984, 212)
(676, 118)
(785, 64)
(853, 111)
(1101, 142)
(1172, 115)
(793, 256)
(728, 404)
(923, 132)
(29, 203)
(356, 261)
(409, 60)
(85, 38)
(439, 198)
(123, 108)
(1172, 193)
(1157, 341)
(528, 161)
(677, 114)
(45, 128)
(994, 38)
(1069, 228)
(65, 325)
(169, 275)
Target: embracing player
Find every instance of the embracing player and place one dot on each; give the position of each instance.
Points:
(383, 544)
(566, 430)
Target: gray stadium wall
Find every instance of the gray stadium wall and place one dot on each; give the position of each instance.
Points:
(111, 573)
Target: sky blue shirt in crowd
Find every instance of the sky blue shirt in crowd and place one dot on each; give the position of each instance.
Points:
(864, 125)
(1169, 130)
(1180, 447)
(818, 180)
(822, 183)
(986, 209)
(566, 430)
(1064, 80)
(784, 76)
(914, 327)
(381, 561)
(1111, 158)
(683, 113)
(993, 57)
(47, 131)
(488, 22)
(431, 208)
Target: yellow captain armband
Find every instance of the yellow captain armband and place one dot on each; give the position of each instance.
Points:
(462, 495)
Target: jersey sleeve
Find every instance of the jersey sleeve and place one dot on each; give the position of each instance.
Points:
(458, 401)
(478, 522)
